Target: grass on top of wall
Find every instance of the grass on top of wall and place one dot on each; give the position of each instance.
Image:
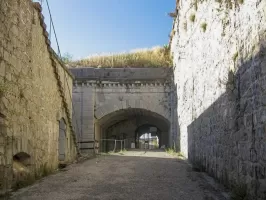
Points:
(154, 57)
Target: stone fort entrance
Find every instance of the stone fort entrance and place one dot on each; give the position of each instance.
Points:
(117, 103)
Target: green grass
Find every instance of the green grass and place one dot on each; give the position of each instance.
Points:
(172, 152)
(154, 57)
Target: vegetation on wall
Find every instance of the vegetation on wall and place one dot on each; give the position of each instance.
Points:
(67, 58)
(235, 56)
(192, 17)
(154, 57)
(203, 26)
(226, 3)
(195, 4)
(185, 26)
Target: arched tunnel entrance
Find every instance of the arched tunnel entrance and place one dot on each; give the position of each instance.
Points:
(148, 136)
(127, 128)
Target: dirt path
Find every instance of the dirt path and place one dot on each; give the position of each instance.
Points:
(135, 175)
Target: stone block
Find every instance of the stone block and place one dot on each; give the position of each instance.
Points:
(2, 68)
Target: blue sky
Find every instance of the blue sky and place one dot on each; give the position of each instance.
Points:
(86, 27)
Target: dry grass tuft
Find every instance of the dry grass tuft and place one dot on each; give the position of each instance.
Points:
(154, 57)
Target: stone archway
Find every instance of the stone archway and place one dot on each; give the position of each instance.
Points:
(125, 122)
(62, 140)
(103, 98)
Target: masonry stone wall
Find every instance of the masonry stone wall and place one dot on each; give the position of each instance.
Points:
(92, 102)
(220, 64)
(116, 96)
(34, 93)
(107, 96)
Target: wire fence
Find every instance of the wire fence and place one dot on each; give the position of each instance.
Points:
(114, 145)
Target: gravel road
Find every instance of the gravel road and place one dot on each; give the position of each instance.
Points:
(130, 175)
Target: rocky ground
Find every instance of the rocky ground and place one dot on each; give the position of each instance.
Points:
(129, 175)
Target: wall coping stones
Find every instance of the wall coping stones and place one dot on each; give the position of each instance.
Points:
(54, 58)
(123, 74)
(121, 84)
(38, 7)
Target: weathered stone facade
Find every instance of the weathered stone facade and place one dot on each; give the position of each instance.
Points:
(219, 54)
(105, 97)
(36, 93)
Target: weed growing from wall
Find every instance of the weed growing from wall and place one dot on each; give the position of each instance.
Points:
(185, 26)
(192, 17)
(224, 5)
(195, 4)
(203, 26)
(235, 56)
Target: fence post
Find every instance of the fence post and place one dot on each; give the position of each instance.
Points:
(115, 146)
